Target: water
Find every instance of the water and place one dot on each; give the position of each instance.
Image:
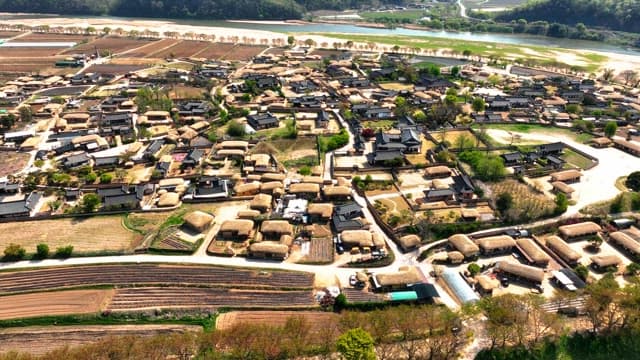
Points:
(512, 39)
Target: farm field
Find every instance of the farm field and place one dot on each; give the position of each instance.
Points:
(113, 68)
(138, 274)
(87, 235)
(527, 204)
(38, 340)
(215, 51)
(320, 251)
(53, 303)
(317, 320)
(114, 44)
(360, 296)
(45, 37)
(147, 48)
(244, 52)
(30, 52)
(9, 34)
(143, 298)
(185, 48)
(12, 162)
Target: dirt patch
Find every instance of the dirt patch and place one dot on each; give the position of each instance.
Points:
(182, 49)
(12, 162)
(29, 52)
(317, 320)
(454, 138)
(53, 303)
(244, 52)
(38, 340)
(114, 44)
(85, 234)
(113, 69)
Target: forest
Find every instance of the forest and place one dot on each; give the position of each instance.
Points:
(209, 9)
(621, 15)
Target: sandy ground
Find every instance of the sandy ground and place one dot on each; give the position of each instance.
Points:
(597, 184)
(53, 303)
(41, 339)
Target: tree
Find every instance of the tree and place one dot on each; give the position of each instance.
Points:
(356, 344)
(90, 202)
(105, 178)
(561, 203)
(91, 177)
(64, 251)
(419, 116)
(8, 121)
(629, 76)
(236, 129)
(368, 133)
(305, 170)
(42, 251)
(14, 252)
(291, 40)
(26, 114)
(582, 271)
(610, 129)
(474, 269)
(607, 74)
(504, 202)
(633, 181)
(478, 104)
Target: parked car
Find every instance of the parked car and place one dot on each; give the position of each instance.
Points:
(339, 249)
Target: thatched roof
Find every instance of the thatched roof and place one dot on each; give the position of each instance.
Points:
(627, 145)
(439, 184)
(409, 241)
(313, 180)
(248, 214)
(281, 227)
(562, 187)
(602, 141)
(258, 159)
(233, 144)
(361, 238)
(229, 152)
(406, 276)
(304, 188)
(241, 226)
(496, 242)
(566, 175)
(169, 199)
(261, 202)
(463, 244)
(198, 220)
(273, 177)
(533, 251)
(247, 188)
(172, 182)
(455, 257)
(625, 241)
(378, 240)
(603, 261)
(486, 283)
(324, 210)
(269, 247)
(468, 213)
(437, 171)
(268, 187)
(563, 249)
(523, 271)
(339, 191)
(579, 229)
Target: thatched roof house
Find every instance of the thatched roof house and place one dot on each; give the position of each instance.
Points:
(463, 244)
(313, 180)
(563, 188)
(499, 243)
(455, 257)
(234, 144)
(269, 187)
(305, 189)
(320, 210)
(566, 176)
(357, 238)
(333, 192)
(625, 241)
(533, 252)
(409, 242)
(407, 275)
(169, 199)
(198, 221)
(236, 229)
(605, 261)
(269, 250)
(563, 250)
(440, 171)
(261, 202)
(251, 188)
(248, 214)
(486, 284)
(524, 272)
(273, 177)
(276, 228)
(579, 230)
(378, 240)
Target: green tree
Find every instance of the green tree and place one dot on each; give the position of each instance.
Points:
(90, 202)
(561, 203)
(291, 40)
(504, 202)
(305, 170)
(42, 251)
(236, 129)
(582, 271)
(26, 114)
(474, 269)
(64, 251)
(14, 252)
(610, 129)
(633, 181)
(356, 344)
(105, 178)
(478, 104)
(91, 177)
(419, 116)
(153, 99)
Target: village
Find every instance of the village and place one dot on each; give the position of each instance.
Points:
(390, 176)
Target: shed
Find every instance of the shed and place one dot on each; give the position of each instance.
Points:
(248, 214)
(407, 275)
(198, 221)
(356, 238)
(559, 186)
(437, 172)
(463, 244)
(455, 257)
(485, 284)
(566, 176)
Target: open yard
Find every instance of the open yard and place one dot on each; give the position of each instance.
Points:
(574, 159)
(87, 235)
(12, 162)
(317, 320)
(53, 303)
(527, 204)
(291, 152)
(500, 133)
(378, 125)
(457, 138)
(37, 340)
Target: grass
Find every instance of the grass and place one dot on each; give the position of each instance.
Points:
(575, 159)
(379, 124)
(535, 128)
(396, 16)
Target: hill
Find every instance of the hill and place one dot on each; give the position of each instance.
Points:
(208, 9)
(621, 15)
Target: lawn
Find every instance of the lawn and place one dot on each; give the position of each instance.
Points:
(378, 124)
(454, 138)
(535, 128)
(574, 159)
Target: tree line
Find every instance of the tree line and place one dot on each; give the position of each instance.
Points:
(209, 9)
(619, 15)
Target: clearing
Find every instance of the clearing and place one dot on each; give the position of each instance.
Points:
(12, 162)
(527, 204)
(38, 340)
(87, 235)
(291, 152)
(536, 134)
(317, 320)
(456, 138)
(53, 303)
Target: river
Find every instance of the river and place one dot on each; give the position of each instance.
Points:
(512, 39)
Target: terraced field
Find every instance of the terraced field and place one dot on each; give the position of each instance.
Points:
(188, 297)
(148, 275)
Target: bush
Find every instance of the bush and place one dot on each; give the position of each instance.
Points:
(474, 269)
(64, 251)
(14, 252)
(105, 178)
(236, 129)
(633, 181)
(305, 170)
(582, 271)
(42, 251)
(91, 177)
(504, 202)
